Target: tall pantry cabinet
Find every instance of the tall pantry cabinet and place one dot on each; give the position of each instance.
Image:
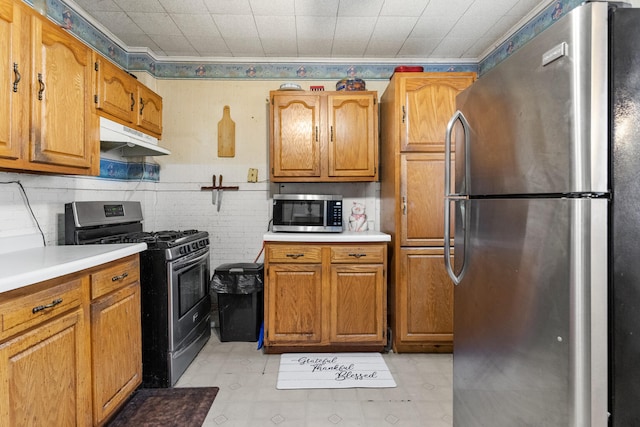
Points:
(414, 112)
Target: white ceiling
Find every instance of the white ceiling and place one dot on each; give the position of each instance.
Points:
(327, 29)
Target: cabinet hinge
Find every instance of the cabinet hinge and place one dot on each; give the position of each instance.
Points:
(95, 99)
(375, 101)
(96, 66)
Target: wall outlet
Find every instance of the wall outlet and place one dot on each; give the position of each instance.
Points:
(252, 176)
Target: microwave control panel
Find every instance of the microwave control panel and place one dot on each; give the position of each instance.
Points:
(334, 213)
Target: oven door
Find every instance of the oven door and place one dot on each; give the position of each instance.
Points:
(189, 294)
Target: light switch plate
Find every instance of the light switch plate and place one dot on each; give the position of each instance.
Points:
(252, 176)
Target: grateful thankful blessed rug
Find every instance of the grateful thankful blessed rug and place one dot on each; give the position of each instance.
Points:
(333, 370)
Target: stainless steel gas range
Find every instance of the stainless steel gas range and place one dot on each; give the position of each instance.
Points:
(174, 282)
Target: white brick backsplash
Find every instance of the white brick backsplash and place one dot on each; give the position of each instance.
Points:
(235, 231)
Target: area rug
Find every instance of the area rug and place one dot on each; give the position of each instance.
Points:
(166, 407)
(333, 370)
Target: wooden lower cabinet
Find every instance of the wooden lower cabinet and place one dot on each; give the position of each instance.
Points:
(44, 355)
(294, 304)
(116, 331)
(421, 310)
(40, 375)
(325, 297)
(66, 360)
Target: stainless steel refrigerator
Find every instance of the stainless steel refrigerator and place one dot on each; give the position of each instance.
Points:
(545, 201)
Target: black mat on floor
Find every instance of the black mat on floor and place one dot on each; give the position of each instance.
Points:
(166, 407)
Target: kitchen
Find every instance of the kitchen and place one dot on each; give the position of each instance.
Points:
(176, 200)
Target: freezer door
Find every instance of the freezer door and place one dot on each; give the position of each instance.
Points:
(530, 314)
(538, 121)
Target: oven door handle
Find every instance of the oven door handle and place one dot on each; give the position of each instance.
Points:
(190, 260)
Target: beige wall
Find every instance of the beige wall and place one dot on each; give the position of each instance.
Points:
(192, 110)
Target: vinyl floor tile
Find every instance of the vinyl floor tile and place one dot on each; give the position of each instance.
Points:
(248, 396)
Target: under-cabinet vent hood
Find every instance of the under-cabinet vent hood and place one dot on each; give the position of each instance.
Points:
(129, 142)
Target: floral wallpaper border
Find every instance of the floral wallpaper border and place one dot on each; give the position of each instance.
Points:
(68, 18)
(532, 28)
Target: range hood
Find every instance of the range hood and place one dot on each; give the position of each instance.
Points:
(130, 142)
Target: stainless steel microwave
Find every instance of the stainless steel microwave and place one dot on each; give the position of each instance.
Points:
(307, 213)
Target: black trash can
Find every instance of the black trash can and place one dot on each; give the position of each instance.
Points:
(239, 288)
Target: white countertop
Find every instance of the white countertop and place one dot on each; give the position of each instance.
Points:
(28, 266)
(344, 237)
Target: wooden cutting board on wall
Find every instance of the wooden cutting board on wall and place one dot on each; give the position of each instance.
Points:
(226, 134)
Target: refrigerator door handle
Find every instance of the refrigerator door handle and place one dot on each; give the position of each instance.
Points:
(456, 198)
(458, 116)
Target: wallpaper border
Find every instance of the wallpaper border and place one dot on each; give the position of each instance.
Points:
(264, 69)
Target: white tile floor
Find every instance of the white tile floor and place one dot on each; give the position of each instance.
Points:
(248, 396)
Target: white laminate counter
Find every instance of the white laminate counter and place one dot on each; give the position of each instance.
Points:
(344, 237)
(28, 266)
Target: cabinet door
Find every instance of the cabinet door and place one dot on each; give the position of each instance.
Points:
(117, 357)
(295, 136)
(425, 298)
(422, 199)
(427, 105)
(14, 36)
(358, 304)
(64, 129)
(115, 92)
(43, 375)
(294, 304)
(352, 135)
(149, 110)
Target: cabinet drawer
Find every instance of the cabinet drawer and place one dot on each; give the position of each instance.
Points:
(293, 254)
(30, 309)
(357, 254)
(115, 276)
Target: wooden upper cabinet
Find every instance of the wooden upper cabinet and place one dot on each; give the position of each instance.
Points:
(295, 141)
(121, 97)
(353, 135)
(323, 136)
(149, 110)
(14, 48)
(427, 102)
(64, 130)
(115, 92)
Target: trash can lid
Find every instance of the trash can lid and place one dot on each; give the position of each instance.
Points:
(242, 267)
